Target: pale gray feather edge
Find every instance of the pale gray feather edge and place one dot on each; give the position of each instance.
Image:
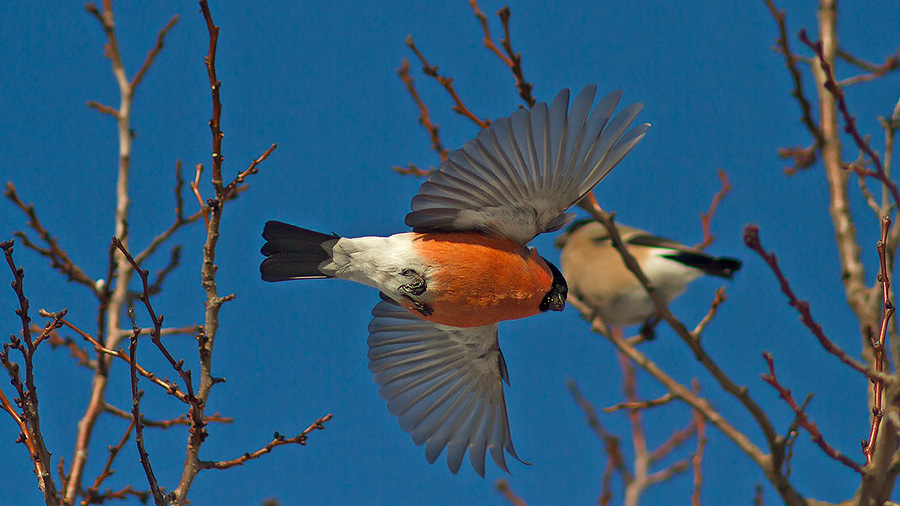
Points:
(444, 385)
(518, 176)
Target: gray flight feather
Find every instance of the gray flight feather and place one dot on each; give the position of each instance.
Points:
(518, 176)
(443, 383)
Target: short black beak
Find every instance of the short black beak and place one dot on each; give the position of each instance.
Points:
(556, 302)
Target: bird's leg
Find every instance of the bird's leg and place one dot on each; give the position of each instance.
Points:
(421, 307)
(416, 286)
(648, 329)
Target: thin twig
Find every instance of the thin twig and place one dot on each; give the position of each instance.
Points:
(879, 344)
(706, 218)
(751, 239)
(29, 422)
(850, 121)
(447, 83)
(803, 419)
(508, 56)
(791, 63)
(508, 494)
(277, 440)
(59, 259)
(165, 424)
(136, 413)
(424, 120)
(93, 490)
(170, 387)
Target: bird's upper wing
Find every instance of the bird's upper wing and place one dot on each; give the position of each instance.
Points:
(519, 175)
(443, 383)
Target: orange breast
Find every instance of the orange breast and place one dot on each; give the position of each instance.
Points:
(476, 280)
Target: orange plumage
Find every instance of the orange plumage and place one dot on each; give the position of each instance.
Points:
(476, 279)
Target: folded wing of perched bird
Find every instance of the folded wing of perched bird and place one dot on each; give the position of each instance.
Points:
(597, 276)
(466, 266)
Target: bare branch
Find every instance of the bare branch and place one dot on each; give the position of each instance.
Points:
(424, 120)
(511, 59)
(136, 413)
(447, 83)
(277, 440)
(797, 92)
(804, 420)
(29, 422)
(59, 259)
(751, 239)
(706, 218)
(93, 490)
(508, 494)
(151, 56)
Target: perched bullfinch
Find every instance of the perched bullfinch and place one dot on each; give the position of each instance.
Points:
(466, 267)
(598, 277)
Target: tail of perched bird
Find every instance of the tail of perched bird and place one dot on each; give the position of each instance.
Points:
(294, 253)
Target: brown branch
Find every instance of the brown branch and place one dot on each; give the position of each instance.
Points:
(803, 419)
(136, 413)
(508, 56)
(195, 187)
(765, 461)
(697, 459)
(123, 494)
(508, 494)
(879, 344)
(751, 239)
(849, 120)
(713, 307)
(797, 92)
(706, 218)
(675, 441)
(170, 387)
(112, 302)
(93, 490)
(213, 213)
(29, 422)
(59, 259)
(424, 120)
(103, 108)
(151, 56)
(640, 405)
(251, 169)
(185, 374)
(80, 356)
(614, 455)
(447, 83)
(875, 71)
(165, 424)
(277, 440)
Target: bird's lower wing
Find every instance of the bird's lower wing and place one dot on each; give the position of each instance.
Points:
(443, 383)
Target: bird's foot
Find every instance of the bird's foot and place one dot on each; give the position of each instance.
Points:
(416, 286)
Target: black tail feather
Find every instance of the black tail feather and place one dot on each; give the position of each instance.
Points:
(723, 267)
(293, 252)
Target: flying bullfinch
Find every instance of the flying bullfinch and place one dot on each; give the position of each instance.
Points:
(598, 277)
(466, 266)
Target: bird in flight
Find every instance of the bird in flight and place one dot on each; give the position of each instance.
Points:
(466, 266)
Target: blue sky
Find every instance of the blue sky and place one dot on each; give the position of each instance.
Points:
(319, 79)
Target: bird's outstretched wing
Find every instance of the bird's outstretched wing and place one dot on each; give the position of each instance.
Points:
(443, 383)
(518, 176)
